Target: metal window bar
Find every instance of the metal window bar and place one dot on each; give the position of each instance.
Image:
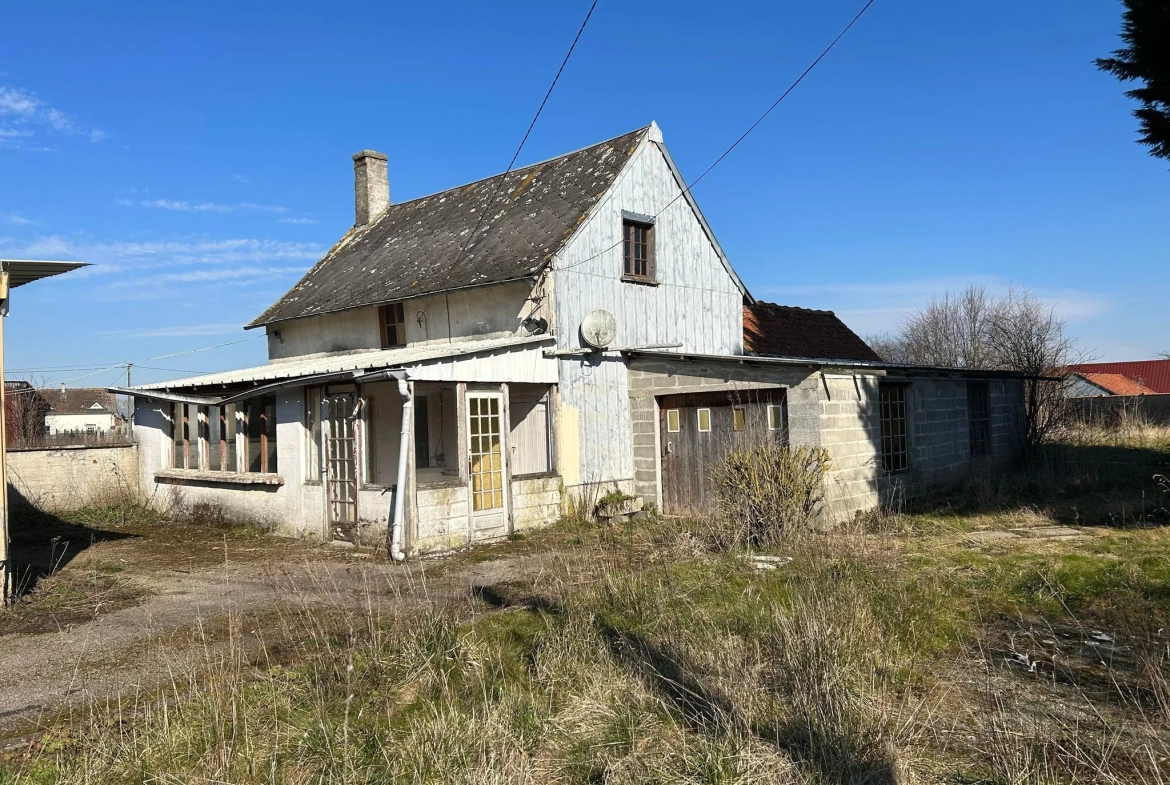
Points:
(979, 418)
(894, 436)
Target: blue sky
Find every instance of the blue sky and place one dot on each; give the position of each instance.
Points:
(199, 156)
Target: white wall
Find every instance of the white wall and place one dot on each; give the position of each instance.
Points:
(66, 478)
(484, 312)
(58, 423)
(696, 303)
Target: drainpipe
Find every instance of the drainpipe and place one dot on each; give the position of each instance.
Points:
(396, 551)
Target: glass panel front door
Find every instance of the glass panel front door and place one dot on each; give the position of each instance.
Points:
(485, 453)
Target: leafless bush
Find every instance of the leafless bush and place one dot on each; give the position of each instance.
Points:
(768, 489)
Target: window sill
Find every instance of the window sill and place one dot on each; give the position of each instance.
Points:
(445, 482)
(218, 478)
(536, 476)
(639, 281)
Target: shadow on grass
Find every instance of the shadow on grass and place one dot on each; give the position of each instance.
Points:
(42, 543)
(683, 687)
(1076, 485)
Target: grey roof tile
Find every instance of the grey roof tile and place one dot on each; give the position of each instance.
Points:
(413, 249)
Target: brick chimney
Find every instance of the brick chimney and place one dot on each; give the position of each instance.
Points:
(371, 186)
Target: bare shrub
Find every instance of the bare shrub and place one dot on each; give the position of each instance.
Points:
(767, 490)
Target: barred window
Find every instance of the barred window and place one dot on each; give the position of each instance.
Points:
(895, 427)
(979, 418)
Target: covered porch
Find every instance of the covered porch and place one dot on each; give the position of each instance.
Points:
(454, 442)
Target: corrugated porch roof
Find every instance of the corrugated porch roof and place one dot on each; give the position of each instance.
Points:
(362, 361)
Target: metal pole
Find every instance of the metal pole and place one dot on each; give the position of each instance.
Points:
(5, 550)
(129, 403)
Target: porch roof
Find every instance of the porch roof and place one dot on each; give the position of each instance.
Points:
(349, 362)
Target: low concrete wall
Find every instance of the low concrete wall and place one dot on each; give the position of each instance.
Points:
(1110, 410)
(65, 478)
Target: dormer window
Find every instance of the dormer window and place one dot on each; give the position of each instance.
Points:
(392, 322)
(638, 255)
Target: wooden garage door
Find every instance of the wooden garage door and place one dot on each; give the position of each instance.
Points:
(696, 431)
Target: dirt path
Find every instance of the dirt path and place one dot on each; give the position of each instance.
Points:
(183, 621)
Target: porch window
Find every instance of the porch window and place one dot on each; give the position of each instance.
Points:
(392, 322)
(672, 421)
(260, 425)
(205, 437)
(704, 420)
(895, 427)
(313, 450)
(979, 418)
(221, 438)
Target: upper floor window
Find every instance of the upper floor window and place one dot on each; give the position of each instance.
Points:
(638, 248)
(392, 322)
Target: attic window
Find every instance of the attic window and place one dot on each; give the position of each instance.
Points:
(392, 323)
(638, 257)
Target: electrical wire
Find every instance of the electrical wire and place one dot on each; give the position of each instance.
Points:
(500, 181)
(686, 190)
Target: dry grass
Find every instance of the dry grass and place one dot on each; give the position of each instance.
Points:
(648, 653)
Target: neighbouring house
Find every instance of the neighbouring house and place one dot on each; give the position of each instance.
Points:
(25, 409)
(1085, 384)
(469, 364)
(1147, 376)
(81, 410)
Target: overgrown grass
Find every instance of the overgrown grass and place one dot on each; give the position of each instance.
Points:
(648, 653)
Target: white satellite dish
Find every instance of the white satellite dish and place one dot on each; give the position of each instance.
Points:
(598, 328)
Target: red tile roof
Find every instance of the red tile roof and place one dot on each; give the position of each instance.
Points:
(1116, 384)
(786, 331)
(1154, 374)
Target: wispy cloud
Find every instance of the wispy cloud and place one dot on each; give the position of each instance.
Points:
(218, 274)
(210, 207)
(298, 221)
(136, 261)
(24, 115)
(16, 219)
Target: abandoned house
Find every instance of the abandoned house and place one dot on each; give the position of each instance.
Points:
(466, 365)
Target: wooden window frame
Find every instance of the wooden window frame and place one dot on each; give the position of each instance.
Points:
(631, 224)
(778, 424)
(738, 419)
(699, 419)
(392, 315)
(894, 410)
(677, 421)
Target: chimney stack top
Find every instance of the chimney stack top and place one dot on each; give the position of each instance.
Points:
(371, 186)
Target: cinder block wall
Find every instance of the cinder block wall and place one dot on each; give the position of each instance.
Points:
(71, 477)
(851, 432)
(650, 378)
(940, 436)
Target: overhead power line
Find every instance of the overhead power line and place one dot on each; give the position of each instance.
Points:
(523, 141)
(744, 135)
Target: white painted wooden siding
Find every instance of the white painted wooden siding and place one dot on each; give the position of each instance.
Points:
(696, 303)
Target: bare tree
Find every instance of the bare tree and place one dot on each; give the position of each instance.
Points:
(24, 414)
(1029, 337)
(1013, 332)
